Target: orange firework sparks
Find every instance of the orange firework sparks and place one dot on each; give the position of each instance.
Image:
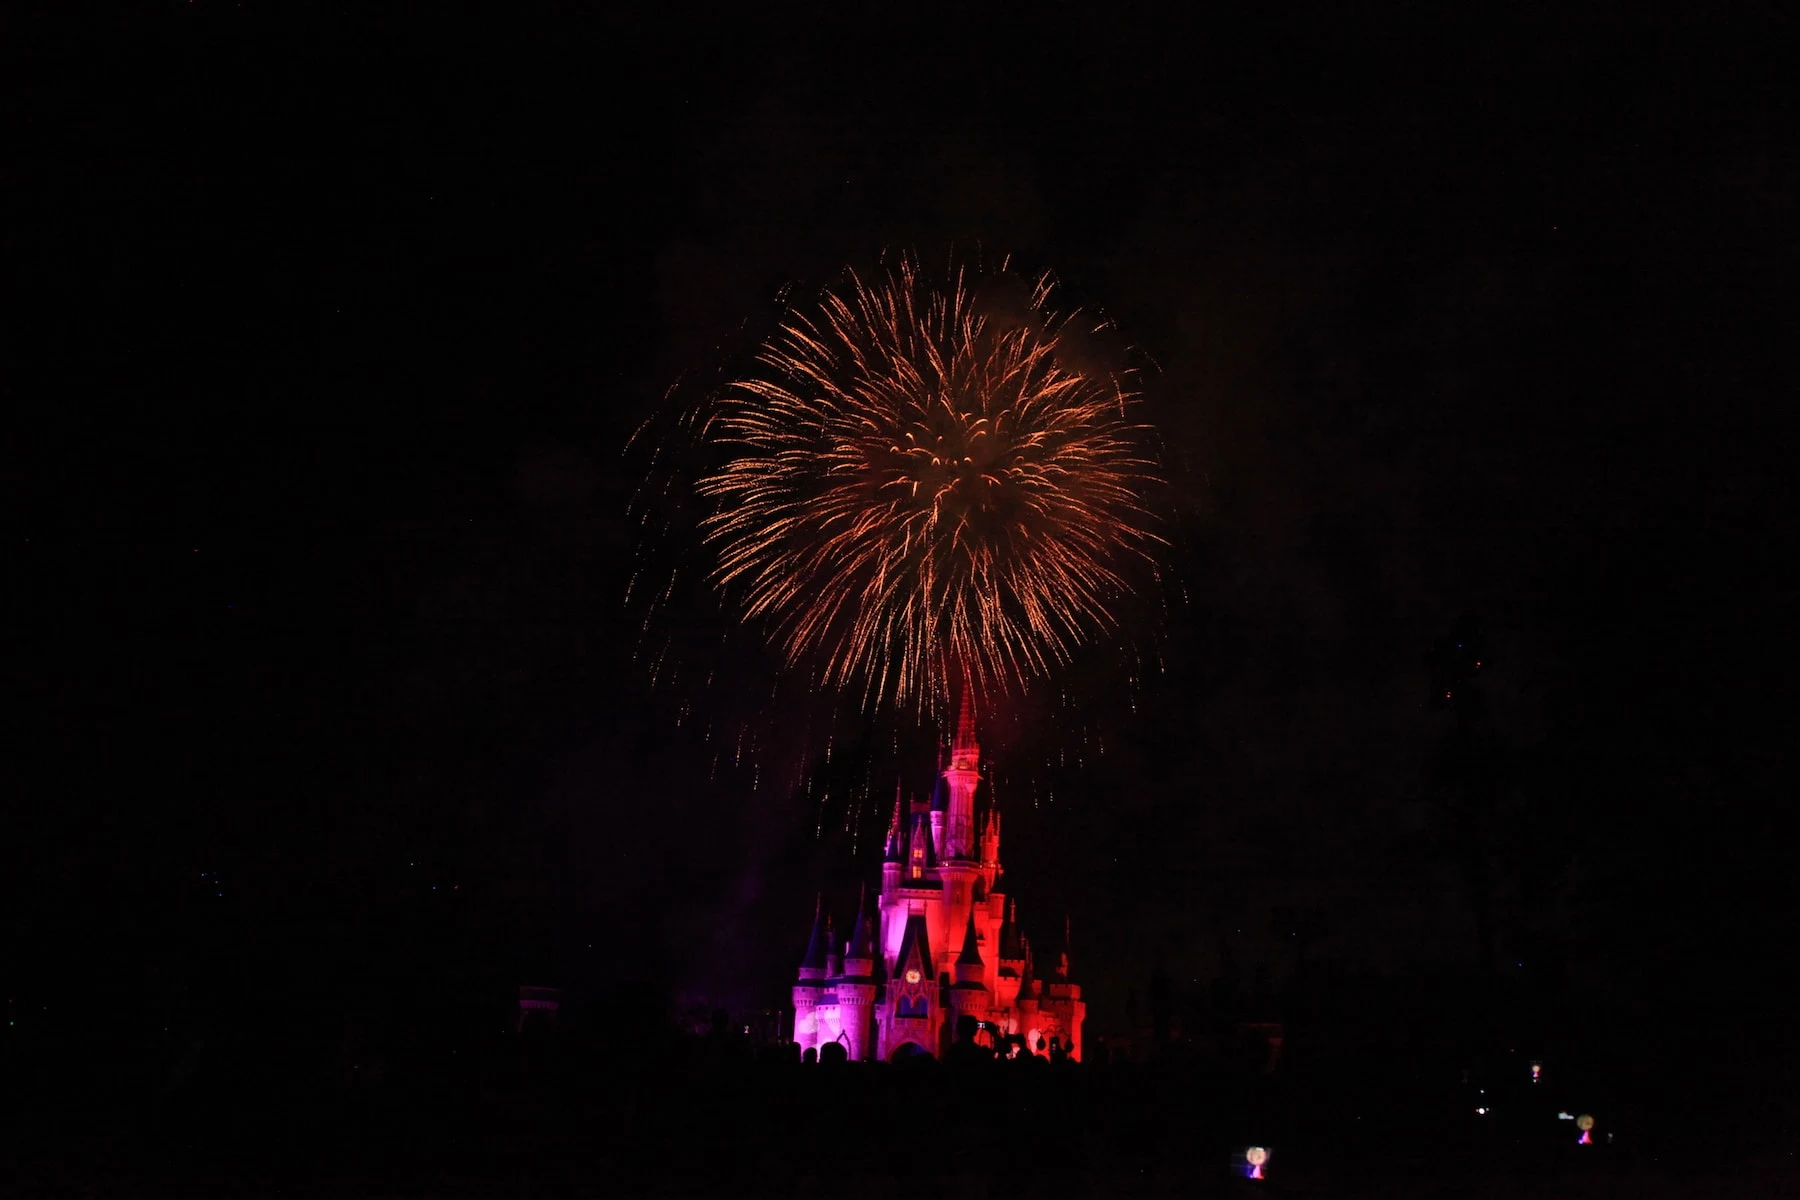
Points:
(919, 486)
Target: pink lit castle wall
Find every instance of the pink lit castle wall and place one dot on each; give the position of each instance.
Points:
(945, 941)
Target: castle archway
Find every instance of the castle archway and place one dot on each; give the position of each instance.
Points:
(908, 1050)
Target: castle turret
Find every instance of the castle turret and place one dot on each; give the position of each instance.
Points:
(969, 967)
(940, 804)
(990, 848)
(893, 857)
(859, 957)
(969, 996)
(812, 963)
(810, 983)
(1061, 1000)
(1027, 1003)
(834, 961)
(1012, 958)
(921, 853)
(1012, 938)
(856, 989)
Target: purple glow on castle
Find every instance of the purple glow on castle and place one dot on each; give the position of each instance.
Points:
(945, 942)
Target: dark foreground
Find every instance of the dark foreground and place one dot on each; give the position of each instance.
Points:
(556, 1124)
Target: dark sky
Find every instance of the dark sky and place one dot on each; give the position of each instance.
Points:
(325, 340)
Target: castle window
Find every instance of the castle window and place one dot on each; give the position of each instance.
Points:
(913, 1006)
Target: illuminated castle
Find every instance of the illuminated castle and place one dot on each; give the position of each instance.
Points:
(945, 942)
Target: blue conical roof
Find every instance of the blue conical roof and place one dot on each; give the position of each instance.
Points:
(815, 945)
(971, 951)
(1012, 945)
(896, 838)
(921, 842)
(862, 942)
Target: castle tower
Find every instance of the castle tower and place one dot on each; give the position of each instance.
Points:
(1027, 1004)
(940, 802)
(1061, 1002)
(834, 962)
(894, 853)
(921, 853)
(968, 994)
(960, 869)
(990, 849)
(856, 989)
(1012, 960)
(810, 983)
(969, 968)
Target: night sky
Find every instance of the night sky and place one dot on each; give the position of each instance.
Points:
(326, 339)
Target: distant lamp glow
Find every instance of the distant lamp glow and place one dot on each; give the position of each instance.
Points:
(1537, 1071)
(1481, 1112)
(1585, 1123)
(1256, 1156)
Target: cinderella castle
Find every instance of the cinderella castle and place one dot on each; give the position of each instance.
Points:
(944, 942)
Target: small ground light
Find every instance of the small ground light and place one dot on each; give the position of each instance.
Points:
(1585, 1123)
(1256, 1156)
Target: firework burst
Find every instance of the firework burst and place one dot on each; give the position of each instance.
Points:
(920, 488)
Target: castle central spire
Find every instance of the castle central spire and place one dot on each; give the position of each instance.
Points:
(962, 777)
(965, 745)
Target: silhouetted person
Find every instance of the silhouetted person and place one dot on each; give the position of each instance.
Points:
(1057, 1053)
(833, 1052)
(811, 1056)
(965, 1049)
